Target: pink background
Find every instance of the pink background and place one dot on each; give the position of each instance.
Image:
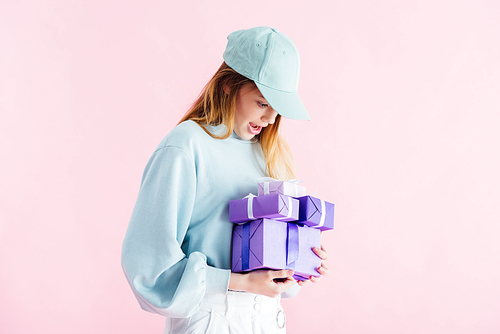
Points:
(405, 101)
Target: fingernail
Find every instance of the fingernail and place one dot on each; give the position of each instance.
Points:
(290, 272)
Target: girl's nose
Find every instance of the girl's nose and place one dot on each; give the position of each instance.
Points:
(270, 116)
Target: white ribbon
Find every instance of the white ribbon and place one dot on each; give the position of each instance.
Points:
(266, 188)
(295, 183)
(289, 215)
(289, 207)
(250, 205)
(266, 181)
(323, 214)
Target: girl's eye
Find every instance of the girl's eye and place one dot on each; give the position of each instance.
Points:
(262, 105)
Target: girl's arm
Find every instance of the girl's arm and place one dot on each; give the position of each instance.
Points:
(163, 278)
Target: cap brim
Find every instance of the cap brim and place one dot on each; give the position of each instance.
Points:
(287, 104)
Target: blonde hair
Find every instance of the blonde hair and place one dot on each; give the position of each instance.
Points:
(214, 107)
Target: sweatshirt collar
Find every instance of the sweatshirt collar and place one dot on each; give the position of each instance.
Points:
(221, 129)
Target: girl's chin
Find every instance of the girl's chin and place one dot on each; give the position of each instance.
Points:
(246, 135)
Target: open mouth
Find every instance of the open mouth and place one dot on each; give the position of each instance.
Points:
(254, 129)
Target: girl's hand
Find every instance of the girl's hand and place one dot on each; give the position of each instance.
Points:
(323, 255)
(269, 283)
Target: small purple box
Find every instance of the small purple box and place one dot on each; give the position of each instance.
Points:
(276, 206)
(271, 244)
(316, 213)
(287, 188)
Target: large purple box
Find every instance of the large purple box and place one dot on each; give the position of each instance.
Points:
(276, 206)
(316, 213)
(271, 244)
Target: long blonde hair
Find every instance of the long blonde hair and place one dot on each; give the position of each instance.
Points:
(214, 107)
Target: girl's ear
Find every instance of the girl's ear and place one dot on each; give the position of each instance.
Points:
(226, 89)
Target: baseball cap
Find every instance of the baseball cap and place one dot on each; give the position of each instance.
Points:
(271, 60)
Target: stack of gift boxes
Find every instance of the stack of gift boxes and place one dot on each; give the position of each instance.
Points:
(278, 229)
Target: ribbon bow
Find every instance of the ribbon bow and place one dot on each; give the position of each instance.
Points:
(267, 180)
(250, 197)
(270, 179)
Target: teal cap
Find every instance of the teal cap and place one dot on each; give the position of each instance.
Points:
(271, 60)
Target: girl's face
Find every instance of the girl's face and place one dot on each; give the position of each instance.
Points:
(252, 112)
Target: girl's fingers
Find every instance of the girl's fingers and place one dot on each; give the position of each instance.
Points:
(282, 273)
(269, 283)
(321, 252)
(314, 279)
(322, 270)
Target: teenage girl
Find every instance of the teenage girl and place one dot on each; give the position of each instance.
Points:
(176, 252)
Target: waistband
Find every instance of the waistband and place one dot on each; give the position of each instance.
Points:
(235, 301)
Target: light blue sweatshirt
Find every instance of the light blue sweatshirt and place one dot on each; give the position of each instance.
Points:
(178, 243)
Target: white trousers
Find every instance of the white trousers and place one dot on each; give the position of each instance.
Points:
(233, 313)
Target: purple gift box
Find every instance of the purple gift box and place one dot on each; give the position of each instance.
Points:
(287, 188)
(276, 206)
(316, 213)
(271, 244)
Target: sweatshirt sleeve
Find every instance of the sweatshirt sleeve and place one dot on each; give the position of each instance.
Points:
(163, 278)
(292, 292)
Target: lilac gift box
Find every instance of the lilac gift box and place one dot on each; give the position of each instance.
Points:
(271, 244)
(287, 188)
(276, 206)
(316, 213)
